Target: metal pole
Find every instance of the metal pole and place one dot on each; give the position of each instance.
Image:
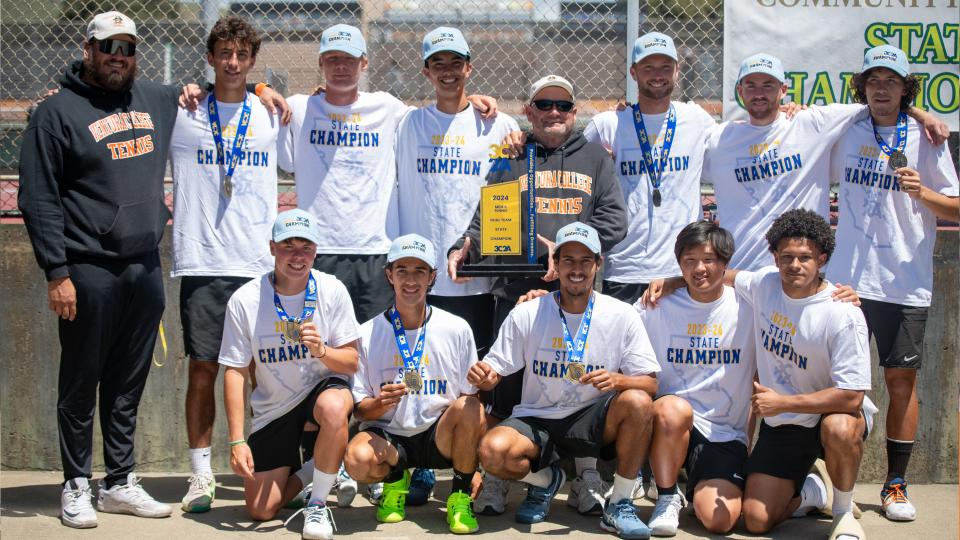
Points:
(633, 32)
(211, 12)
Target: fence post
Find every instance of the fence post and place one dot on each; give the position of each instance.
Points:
(633, 32)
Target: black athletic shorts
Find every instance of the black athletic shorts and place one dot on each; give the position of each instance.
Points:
(277, 444)
(627, 292)
(418, 450)
(708, 460)
(477, 310)
(363, 276)
(898, 330)
(578, 435)
(203, 306)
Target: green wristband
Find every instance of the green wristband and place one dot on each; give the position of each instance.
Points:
(237, 442)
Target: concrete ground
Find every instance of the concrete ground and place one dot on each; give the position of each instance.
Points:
(29, 505)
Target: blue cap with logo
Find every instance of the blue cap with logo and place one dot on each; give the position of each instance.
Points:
(653, 43)
(344, 38)
(413, 245)
(296, 223)
(579, 232)
(445, 39)
(887, 56)
(762, 63)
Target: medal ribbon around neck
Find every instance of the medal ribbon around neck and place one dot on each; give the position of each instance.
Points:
(655, 174)
(531, 203)
(411, 361)
(309, 303)
(576, 348)
(901, 141)
(213, 115)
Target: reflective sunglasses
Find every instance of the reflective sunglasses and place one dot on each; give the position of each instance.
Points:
(545, 105)
(117, 46)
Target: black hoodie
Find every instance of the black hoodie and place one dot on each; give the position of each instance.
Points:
(583, 187)
(91, 172)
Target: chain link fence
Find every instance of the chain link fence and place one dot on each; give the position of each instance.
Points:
(513, 43)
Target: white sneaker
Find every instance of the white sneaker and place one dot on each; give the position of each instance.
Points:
(76, 504)
(318, 522)
(200, 494)
(666, 515)
(374, 492)
(587, 493)
(130, 498)
(492, 500)
(640, 491)
(896, 505)
(346, 488)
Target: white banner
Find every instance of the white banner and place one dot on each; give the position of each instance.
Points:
(822, 42)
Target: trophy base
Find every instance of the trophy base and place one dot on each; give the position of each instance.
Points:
(502, 270)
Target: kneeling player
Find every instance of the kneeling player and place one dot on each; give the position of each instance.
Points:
(416, 406)
(297, 325)
(587, 387)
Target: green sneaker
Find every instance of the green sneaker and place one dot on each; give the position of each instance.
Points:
(200, 495)
(460, 514)
(390, 507)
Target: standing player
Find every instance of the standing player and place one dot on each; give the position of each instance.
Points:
(589, 374)
(893, 186)
(416, 406)
(293, 330)
(223, 158)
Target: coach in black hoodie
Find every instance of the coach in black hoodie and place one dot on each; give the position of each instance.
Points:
(91, 194)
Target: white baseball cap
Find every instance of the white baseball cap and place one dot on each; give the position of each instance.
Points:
(445, 39)
(296, 223)
(548, 81)
(762, 63)
(653, 43)
(413, 245)
(343, 38)
(109, 24)
(886, 56)
(579, 232)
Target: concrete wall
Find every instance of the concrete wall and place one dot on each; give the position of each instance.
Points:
(29, 353)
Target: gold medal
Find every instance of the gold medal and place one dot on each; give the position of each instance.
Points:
(413, 380)
(291, 329)
(227, 187)
(897, 159)
(575, 370)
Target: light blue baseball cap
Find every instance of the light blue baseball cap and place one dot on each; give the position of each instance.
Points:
(887, 56)
(413, 245)
(579, 232)
(344, 38)
(445, 38)
(296, 223)
(762, 63)
(653, 43)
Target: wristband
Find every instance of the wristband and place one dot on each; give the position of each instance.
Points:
(259, 88)
(324, 351)
(237, 442)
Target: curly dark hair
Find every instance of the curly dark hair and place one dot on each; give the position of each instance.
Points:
(705, 232)
(234, 29)
(858, 84)
(802, 223)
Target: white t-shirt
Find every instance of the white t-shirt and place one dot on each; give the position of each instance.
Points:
(344, 163)
(285, 371)
(760, 172)
(707, 357)
(885, 238)
(213, 235)
(448, 353)
(532, 337)
(442, 162)
(647, 251)
(804, 345)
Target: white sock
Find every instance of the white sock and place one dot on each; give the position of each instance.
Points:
(305, 474)
(813, 496)
(322, 484)
(200, 460)
(539, 478)
(585, 464)
(842, 501)
(622, 488)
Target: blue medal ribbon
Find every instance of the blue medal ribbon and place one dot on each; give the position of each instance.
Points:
(309, 303)
(576, 348)
(411, 361)
(213, 115)
(901, 141)
(531, 203)
(655, 174)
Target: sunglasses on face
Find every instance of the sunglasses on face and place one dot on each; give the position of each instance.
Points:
(117, 46)
(547, 104)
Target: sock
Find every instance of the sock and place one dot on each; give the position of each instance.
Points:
(322, 484)
(539, 478)
(200, 460)
(622, 488)
(669, 490)
(395, 475)
(813, 496)
(584, 463)
(461, 481)
(842, 501)
(305, 474)
(898, 457)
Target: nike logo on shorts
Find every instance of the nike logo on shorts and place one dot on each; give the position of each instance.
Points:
(910, 358)
(738, 477)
